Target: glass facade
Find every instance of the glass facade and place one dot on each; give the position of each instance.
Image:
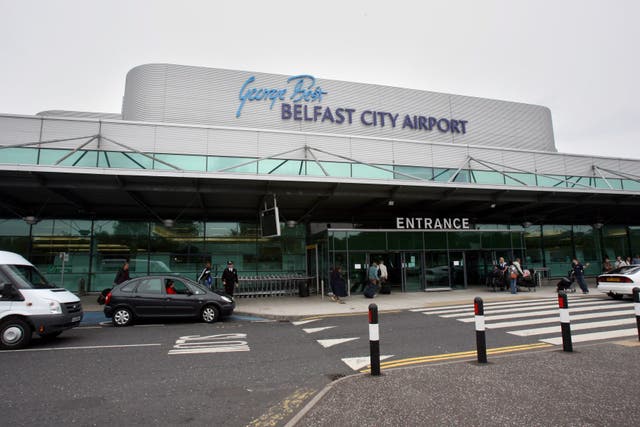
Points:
(423, 260)
(131, 160)
(97, 249)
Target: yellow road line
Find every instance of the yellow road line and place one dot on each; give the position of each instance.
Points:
(459, 355)
(279, 412)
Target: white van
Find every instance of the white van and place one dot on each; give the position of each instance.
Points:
(28, 303)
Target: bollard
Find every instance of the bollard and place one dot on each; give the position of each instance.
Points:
(481, 341)
(374, 339)
(636, 305)
(565, 324)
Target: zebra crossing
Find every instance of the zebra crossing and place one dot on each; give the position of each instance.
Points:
(591, 319)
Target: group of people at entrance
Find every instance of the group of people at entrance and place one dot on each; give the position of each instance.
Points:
(376, 281)
(504, 273)
(229, 277)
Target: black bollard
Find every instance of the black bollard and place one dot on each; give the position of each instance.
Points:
(565, 323)
(481, 341)
(636, 305)
(374, 339)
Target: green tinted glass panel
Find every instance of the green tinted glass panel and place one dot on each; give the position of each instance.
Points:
(181, 161)
(463, 176)
(442, 175)
(464, 240)
(524, 178)
(50, 156)
(281, 167)
(486, 177)
(332, 168)
(551, 181)
(363, 240)
(119, 160)
(404, 240)
(365, 171)
(416, 171)
(231, 164)
(339, 240)
(23, 156)
(496, 239)
(435, 240)
(615, 241)
(628, 184)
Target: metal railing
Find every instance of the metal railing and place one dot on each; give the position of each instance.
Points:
(272, 285)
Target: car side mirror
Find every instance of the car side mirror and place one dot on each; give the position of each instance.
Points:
(188, 292)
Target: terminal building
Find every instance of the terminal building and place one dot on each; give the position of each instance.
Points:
(437, 185)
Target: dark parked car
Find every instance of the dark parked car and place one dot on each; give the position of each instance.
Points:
(165, 296)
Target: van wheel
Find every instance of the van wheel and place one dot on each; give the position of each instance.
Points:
(122, 317)
(210, 314)
(14, 333)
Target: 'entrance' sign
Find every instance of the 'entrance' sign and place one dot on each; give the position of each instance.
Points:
(419, 223)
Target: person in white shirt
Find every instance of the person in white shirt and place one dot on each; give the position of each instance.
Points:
(384, 275)
(620, 262)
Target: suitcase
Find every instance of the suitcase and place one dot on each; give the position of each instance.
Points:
(370, 291)
(385, 288)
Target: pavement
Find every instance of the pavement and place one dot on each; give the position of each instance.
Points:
(596, 385)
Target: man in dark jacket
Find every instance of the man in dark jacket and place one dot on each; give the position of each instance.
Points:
(230, 278)
(122, 275)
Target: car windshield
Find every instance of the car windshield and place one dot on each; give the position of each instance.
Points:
(28, 276)
(627, 269)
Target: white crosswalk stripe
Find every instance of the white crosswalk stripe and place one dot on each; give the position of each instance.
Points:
(600, 319)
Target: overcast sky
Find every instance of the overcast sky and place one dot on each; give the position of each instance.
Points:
(579, 58)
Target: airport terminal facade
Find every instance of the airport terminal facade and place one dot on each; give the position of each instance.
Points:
(437, 185)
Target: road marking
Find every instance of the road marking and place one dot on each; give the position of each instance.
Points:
(555, 319)
(87, 347)
(356, 363)
(332, 342)
(434, 310)
(595, 336)
(574, 327)
(221, 343)
(314, 330)
(595, 304)
(364, 313)
(459, 355)
(276, 414)
(303, 322)
(537, 313)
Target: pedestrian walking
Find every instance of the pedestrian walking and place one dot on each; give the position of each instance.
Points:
(123, 274)
(205, 275)
(230, 278)
(578, 272)
(338, 285)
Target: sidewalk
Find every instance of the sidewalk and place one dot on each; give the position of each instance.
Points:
(594, 385)
(293, 307)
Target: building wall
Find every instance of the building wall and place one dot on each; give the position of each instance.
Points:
(207, 96)
(156, 138)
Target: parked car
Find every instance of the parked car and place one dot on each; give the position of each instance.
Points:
(619, 282)
(29, 303)
(165, 296)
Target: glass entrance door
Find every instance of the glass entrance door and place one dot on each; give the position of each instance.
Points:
(436, 270)
(457, 270)
(412, 264)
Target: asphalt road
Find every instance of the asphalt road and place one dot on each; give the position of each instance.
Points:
(239, 372)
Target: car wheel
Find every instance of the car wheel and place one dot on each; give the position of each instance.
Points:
(14, 333)
(616, 296)
(122, 317)
(210, 314)
(50, 336)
